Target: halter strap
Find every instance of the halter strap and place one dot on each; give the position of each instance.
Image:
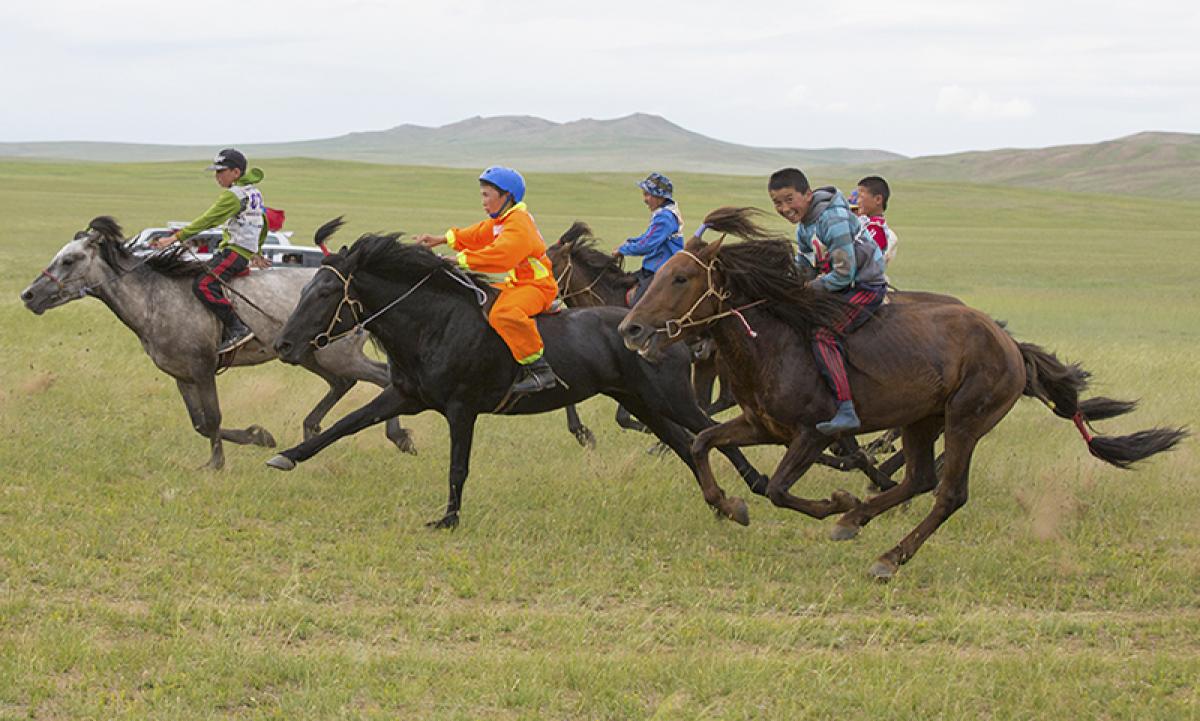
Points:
(675, 326)
(563, 281)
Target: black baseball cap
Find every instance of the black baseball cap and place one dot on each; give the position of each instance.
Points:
(228, 158)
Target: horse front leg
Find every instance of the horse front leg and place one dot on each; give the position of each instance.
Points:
(388, 404)
(462, 434)
(802, 452)
(206, 418)
(740, 431)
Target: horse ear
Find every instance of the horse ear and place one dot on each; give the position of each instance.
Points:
(710, 250)
(694, 244)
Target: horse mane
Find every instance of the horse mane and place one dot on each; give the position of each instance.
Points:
(384, 256)
(763, 266)
(115, 251)
(581, 245)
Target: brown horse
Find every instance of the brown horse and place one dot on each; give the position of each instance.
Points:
(588, 277)
(927, 368)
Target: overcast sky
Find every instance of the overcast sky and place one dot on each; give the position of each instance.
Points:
(912, 77)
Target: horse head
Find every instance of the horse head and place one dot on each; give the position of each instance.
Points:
(83, 263)
(326, 310)
(685, 290)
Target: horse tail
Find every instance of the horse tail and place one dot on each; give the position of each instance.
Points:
(326, 231)
(1058, 385)
(1099, 409)
(578, 229)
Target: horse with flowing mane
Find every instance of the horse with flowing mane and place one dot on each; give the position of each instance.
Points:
(588, 277)
(153, 297)
(443, 356)
(927, 368)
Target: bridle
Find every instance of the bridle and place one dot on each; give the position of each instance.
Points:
(564, 280)
(86, 290)
(327, 336)
(675, 326)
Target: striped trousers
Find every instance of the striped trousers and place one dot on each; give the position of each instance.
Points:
(827, 344)
(226, 265)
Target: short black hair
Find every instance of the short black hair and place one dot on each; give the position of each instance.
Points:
(789, 178)
(877, 186)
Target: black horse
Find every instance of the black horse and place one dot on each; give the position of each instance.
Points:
(443, 356)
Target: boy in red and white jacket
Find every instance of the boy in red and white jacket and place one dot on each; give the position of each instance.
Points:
(870, 202)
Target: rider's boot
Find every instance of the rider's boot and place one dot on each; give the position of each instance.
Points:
(844, 420)
(536, 376)
(235, 335)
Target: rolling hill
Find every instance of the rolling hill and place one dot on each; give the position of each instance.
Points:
(634, 143)
(1151, 164)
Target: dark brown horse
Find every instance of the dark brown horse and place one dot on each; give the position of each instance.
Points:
(588, 277)
(927, 368)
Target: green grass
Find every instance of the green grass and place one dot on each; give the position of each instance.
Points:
(587, 585)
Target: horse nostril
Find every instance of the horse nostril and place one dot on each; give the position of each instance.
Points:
(27, 296)
(283, 346)
(633, 330)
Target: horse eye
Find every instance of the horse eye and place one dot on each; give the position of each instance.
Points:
(680, 279)
(67, 261)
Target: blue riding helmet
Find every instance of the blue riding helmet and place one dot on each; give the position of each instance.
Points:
(507, 180)
(658, 185)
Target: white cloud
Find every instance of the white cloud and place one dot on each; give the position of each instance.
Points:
(978, 105)
(916, 77)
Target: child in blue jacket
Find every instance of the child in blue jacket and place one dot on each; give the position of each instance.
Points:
(663, 238)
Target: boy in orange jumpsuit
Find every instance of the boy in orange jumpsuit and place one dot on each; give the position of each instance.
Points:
(509, 242)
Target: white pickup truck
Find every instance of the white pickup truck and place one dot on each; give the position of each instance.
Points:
(277, 247)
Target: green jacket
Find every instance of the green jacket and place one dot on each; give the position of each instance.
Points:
(241, 211)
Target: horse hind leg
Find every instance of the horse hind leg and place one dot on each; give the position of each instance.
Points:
(582, 433)
(951, 495)
(974, 409)
(920, 477)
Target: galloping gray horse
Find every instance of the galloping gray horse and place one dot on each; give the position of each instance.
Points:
(153, 296)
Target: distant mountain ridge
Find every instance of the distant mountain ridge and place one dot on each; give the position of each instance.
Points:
(634, 143)
(1149, 163)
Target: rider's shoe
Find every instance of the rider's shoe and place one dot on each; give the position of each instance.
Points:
(845, 420)
(235, 335)
(537, 376)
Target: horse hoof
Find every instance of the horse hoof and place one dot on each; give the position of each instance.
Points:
(845, 501)
(586, 439)
(737, 510)
(445, 522)
(843, 533)
(262, 437)
(405, 444)
(282, 463)
(882, 570)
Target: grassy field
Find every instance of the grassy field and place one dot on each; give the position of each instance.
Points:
(587, 585)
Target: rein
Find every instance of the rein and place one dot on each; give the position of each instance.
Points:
(327, 336)
(675, 326)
